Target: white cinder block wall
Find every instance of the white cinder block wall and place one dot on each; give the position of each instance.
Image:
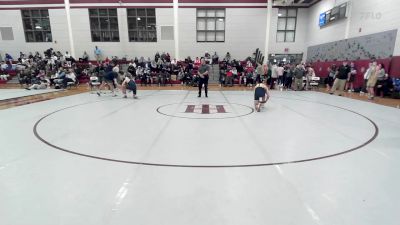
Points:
(315, 34)
(244, 32)
(83, 40)
(13, 18)
(375, 16)
(369, 15)
(297, 47)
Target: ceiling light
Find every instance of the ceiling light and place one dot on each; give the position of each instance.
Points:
(138, 18)
(279, 14)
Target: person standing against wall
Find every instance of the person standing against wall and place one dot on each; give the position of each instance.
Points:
(97, 54)
(367, 74)
(274, 76)
(341, 78)
(203, 73)
(260, 72)
(373, 78)
(229, 77)
(280, 70)
(309, 75)
(289, 77)
(299, 73)
(331, 77)
(351, 78)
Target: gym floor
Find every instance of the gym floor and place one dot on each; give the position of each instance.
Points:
(172, 158)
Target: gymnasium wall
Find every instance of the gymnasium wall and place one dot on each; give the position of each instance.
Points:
(379, 45)
(334, 32)
(297, 47)
(370, 16)
(83, 41)
(366, 17)
(244, 32)
(12, 18)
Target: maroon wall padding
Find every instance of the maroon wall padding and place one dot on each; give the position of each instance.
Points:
(392, 66)
(395, 66)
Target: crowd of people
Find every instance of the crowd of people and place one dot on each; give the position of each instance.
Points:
(41, 71)
(376, 80)
(284, 76)
(58, 70)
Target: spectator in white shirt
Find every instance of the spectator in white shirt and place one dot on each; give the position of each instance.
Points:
(69, 77)
(279, 71)
(116, 68)
(274, 76)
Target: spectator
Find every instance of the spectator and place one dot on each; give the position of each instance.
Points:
(85, 57)
(234, 73)
(8, 58)
(367, 75)
(197, 62)
(115, 69)
(215, 58)
(97, 54)
(163, 56)
(259, 72)
(274, 76)
(69, 77)
(310, 74)
(299, 73)
(229, 77)
(68, 58)
(228, 57)
(381, 73)
(174, 62)
(351, 78)
(279, 71)
(289, 76)
(373, 78)
(384, 86)
(222, 76)
(207, 57)
(42, 84)
(331, 77)
(156, 57)
(341, 78)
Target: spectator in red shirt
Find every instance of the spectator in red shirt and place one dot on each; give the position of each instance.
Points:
(229, 77)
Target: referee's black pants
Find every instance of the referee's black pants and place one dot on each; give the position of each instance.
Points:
(205, 82)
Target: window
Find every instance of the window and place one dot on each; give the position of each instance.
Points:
(210, 25)
(286, 29)
(36, 25)
(142, 25)
(104, 25)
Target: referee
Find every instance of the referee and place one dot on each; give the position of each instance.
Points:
(203, 73)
